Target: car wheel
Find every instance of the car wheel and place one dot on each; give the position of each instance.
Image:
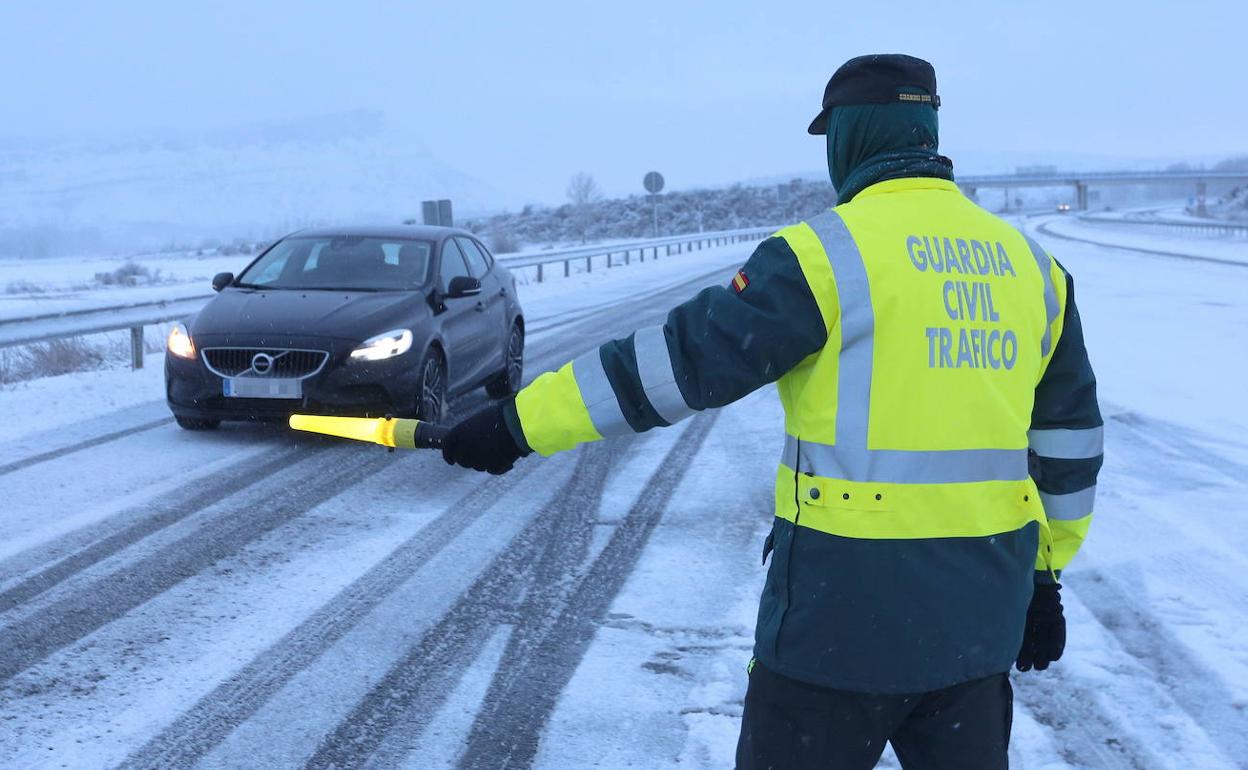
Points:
(507, 382)
(431, 403)
(196, 423)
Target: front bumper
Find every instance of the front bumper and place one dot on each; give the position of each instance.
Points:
(342, 387)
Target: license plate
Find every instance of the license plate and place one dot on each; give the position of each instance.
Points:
(262, 387)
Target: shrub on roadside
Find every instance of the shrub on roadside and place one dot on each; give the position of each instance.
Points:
(62, 356)
(129, 274)
(23, 287)
(502, 241)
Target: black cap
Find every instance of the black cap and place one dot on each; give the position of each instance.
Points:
(874, 79)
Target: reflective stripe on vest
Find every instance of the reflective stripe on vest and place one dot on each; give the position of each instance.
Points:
(1071, 506)
(853, 389)
(599, 398)
(654, 368)
(1068, 444)
(1051, 309)
(895, 466)
(1065, 443)
(850, 458)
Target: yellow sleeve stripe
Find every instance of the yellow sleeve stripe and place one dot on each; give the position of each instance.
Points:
(1068, 536)
(553, 415)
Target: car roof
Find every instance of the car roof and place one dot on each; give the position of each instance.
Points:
(421, 232)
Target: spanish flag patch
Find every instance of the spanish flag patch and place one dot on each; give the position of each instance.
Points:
(739, 281)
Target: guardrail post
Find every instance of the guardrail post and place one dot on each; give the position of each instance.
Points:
(626, 256)
(608, 259)
(136, 347)
(642, 251)
(566, 269)
(539, 272)
(589, 263)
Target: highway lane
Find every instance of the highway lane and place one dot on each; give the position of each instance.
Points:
(148, 564)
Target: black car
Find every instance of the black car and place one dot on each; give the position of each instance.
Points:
(357, 321)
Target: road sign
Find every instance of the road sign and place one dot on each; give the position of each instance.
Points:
(437, 213)
(653, 182)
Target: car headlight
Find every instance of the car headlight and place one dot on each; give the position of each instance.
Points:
(389, 344)
(179, 342)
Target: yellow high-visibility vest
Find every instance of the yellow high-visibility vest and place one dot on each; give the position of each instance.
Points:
(912, 422)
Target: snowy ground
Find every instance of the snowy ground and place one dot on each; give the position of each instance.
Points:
(248, 598)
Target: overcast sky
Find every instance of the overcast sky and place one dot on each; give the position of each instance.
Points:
(526, 93)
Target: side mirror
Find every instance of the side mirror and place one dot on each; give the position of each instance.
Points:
(463, 286)
(221, 280)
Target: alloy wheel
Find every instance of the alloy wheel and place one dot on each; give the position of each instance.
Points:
(432, 389)
(515, 359)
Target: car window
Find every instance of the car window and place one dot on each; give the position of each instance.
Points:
(477, 261)
(351, 262)
(452, 263)
(271, 269)
(489, 258)
(310, 263)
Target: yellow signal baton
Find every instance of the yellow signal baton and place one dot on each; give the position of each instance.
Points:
(387, 431)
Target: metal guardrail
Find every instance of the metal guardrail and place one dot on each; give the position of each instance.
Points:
(1062, 178)
(27, 331)
(1173, 225)
(82, 311)
(672, 245)
(135, 316)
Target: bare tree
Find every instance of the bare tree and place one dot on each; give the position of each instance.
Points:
(583, 193)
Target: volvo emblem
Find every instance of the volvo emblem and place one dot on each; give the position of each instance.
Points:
(262, 363)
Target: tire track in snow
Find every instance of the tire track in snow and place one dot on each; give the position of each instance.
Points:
(1196, 688)
(228, 482)
(79, 446)
(415, 687)
(541, 658)
(246, 518)
(1178, 441)
(1083, 733)
(206, 724)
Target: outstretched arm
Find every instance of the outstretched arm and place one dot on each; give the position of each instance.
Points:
(717, 347)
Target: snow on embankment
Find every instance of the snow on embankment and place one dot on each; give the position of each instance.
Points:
(1178, 241)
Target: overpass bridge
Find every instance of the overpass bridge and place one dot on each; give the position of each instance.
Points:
(1082, 180)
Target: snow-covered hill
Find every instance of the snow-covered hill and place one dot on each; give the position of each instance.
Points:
(91, 197)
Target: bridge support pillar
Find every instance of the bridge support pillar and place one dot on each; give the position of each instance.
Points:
(1081, 196)
(1201, 189)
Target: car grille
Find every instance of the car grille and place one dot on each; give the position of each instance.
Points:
(243, 362)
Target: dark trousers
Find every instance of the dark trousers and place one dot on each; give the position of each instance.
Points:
(791, 725)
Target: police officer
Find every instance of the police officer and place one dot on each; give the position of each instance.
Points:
(942, 443)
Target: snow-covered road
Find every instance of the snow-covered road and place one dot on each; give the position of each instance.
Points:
(248, 598)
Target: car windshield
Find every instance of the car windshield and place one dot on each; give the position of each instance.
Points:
(355, 262)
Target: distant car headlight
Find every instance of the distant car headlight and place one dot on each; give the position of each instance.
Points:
(389, 344)
(179, 342)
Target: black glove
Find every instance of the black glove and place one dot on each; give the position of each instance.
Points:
(1044, 636)
(482, 442)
